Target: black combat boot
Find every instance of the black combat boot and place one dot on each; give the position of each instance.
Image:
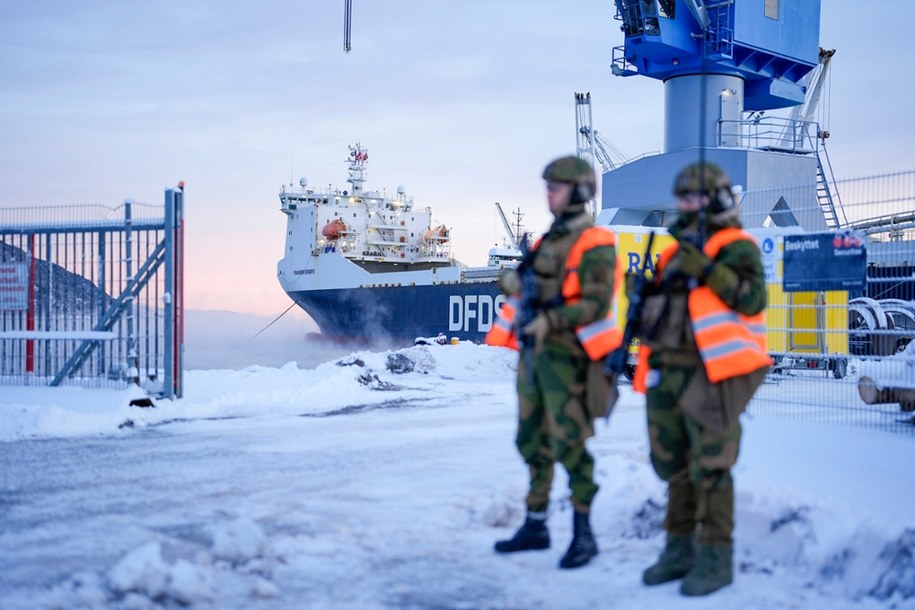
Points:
(679, 554)
(677, 558)
(583, 546)
(533, 536)
(713, 570)
(714, 566)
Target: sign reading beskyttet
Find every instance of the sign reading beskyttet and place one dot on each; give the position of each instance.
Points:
(825, 261)
(14, 286)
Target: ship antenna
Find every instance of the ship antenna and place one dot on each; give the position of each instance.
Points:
(358, 164)
(518, 215)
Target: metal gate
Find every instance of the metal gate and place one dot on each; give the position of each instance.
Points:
(92, 295)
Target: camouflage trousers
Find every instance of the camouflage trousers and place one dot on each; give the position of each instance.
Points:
(695, 460)
(553, 425)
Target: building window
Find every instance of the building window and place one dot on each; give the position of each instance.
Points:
(772, 9)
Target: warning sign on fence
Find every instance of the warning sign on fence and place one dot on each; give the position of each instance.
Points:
(14, 286)
(825, 261)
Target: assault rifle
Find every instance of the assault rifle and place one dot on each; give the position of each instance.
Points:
(618, 359)
(527, 309)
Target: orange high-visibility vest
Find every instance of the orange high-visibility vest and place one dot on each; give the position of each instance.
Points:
(502, 332)
(730, 343)
(598, 338)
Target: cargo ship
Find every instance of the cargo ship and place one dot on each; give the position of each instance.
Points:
(374, 267)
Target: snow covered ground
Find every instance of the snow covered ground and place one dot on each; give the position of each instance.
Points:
(380, 479)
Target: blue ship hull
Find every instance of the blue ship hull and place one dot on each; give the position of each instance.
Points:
(402, 313)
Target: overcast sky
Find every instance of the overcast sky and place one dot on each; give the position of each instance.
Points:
(463, 103)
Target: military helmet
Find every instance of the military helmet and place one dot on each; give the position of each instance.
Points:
(576, 171)
(708, 179)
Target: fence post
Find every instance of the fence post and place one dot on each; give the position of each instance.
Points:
(179, 288)
(133, 358)
(30, 312)
(173, 299)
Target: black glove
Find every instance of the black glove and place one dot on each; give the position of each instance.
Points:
(693, 262)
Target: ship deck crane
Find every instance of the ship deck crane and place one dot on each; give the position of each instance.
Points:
(513, 236)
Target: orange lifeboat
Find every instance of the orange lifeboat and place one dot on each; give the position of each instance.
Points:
(436, 234)
(334, 229)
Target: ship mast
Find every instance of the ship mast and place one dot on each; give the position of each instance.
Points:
(358, 165)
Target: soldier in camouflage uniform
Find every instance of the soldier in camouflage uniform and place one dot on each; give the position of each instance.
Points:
(707, 297)
(560, 397)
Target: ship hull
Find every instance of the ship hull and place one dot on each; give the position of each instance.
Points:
(402, 313)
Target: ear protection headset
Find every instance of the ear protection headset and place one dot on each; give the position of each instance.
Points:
(582, 192)
(723, 200)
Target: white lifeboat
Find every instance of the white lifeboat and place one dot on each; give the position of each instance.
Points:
(334, 229)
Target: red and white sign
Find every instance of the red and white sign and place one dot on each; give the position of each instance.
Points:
(14, 286)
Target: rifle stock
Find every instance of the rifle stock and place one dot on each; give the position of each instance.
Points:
(527, 309)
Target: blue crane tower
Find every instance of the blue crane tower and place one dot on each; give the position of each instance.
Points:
(724, 63)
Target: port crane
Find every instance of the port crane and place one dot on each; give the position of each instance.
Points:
(347, 25)
(589, 143)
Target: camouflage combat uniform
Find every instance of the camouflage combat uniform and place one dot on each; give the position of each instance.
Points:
(559, 314)
(693, 425)
(554, 417)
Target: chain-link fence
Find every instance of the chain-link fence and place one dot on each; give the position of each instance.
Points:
(841, 314)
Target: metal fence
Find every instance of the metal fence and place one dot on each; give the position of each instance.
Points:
(841, 329)
(91, 295)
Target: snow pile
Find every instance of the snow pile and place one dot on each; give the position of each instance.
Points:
(896, 371)
(145, 579)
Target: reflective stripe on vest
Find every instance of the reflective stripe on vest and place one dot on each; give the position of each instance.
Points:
(729, 343)
(600, 337)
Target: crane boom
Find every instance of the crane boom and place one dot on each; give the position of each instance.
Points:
(590, 145)
(347, 24)
(508, 228)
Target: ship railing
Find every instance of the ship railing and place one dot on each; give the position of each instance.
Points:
(386, 227)
(480, 273)
(385, 242)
